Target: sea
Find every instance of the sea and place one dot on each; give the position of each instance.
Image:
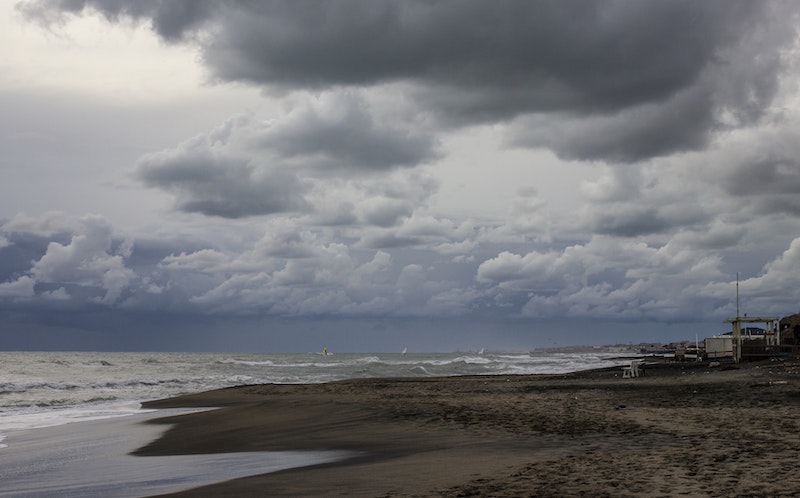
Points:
(52, 403)
(40, 389)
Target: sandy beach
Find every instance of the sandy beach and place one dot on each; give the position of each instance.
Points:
(680, 430)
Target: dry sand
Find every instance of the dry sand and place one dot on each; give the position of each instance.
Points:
(681, 430)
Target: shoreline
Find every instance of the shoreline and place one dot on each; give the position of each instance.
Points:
(94, 459)
(680, 429)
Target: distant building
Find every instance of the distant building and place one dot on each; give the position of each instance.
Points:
(789, 327)
(719, 346)
(749, 333)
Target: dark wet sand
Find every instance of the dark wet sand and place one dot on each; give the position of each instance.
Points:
(681, 430)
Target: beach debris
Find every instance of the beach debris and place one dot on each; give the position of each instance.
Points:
(620, 407)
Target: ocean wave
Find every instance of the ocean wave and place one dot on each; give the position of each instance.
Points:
(101, 399)
(98, 363)
(366, 360)
(69, 402)
(240, 379)
(250, 363)
(460, 360)
(476, 360)
(32, 386)
(53, 403)
(58, 362)
(8, 388)
(131, 384)
(420, 370)
(31, 417)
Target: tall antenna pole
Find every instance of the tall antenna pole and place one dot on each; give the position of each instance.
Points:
(737, 295)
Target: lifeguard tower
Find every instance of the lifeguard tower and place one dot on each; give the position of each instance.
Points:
(771, 336)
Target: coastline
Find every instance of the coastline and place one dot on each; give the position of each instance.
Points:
(687, 429)
(92, 459)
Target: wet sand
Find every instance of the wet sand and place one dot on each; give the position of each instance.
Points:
(682, 429)
(90, 460)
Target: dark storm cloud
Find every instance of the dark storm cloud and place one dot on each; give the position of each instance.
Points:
(646, 131)
(758, 172)
(226, 187)
(655, 77)
(247, 167)
(770, 184)
(632, 223)
(341, 133)
(169, 19)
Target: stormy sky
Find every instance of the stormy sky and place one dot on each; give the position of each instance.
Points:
(275, 176)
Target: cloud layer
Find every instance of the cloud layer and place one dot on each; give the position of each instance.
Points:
(616, 81)
(327, 203)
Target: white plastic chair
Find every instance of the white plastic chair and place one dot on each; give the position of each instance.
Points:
(631, 371)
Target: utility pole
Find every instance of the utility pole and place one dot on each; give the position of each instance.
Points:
(737, 295)
(737, 326)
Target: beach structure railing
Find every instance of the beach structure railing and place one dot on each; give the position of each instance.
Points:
(771, 335)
